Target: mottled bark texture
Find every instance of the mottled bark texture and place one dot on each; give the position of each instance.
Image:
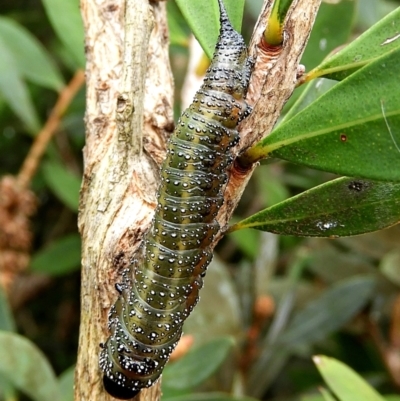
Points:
(120, 179)
(128, 120)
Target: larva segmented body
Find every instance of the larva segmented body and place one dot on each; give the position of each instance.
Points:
(161, 288)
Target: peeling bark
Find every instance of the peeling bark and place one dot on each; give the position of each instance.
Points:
(120, 180)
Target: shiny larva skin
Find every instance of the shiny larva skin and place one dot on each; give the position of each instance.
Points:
(161, 288)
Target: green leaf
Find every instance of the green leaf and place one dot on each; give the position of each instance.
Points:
(332, 28)
(369, 13)
(380, 39)
(341, 207)
(219, 289)
(353, 129)
(63, 183)
(344, 381)
(198, 365)
(392, 398)
(247, 242)
(209, 397)
(14, 90)
(65, 17)
(312, 398)
(66, 384)
(31, 58)
(330, 265)
(271, 358)
(326, 394)
(24, 365)
(329, 312)
(203, 18)
(6, 318)
(270, 185)
(60, 257)
(178, 31)
(273, 33)
(283, 7)
(312, 91)
(390, 266)
(7, 391)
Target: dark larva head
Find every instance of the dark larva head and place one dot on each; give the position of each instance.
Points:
(118, 391)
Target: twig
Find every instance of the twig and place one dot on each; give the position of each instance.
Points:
(39, 146)
(382, 348)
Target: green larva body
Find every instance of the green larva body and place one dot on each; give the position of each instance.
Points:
(161, 288)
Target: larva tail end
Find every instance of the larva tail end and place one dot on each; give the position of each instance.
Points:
(223, 15)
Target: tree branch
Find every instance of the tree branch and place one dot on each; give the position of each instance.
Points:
(118, 190)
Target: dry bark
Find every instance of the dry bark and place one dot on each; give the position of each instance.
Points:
(118, 190)
(120, 180)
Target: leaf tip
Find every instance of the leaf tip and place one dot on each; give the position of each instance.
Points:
(317, 359)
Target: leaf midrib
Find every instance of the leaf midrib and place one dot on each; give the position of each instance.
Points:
(274, 146)
(322, 213)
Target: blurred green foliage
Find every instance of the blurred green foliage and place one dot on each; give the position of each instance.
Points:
(270, 302)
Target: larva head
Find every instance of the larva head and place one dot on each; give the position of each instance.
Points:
(115, 382)
(125, 370)
(118, 391)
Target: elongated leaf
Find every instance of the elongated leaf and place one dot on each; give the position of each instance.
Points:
(219, 289)
(31, 58)
(203, 18)
(178, 31)
(380, 39)
(390, 266)
(332, 28)
(247, 242)
(272, 357)
(369, 13)
(63, 183)
(27, 368)
(353, 129)
(331, 266)
(6, 318)
(344, 381)
(209, 397)
(330, 312)
(312, 398)
(199, 364)
(66, 20)
(326, 394)
(273, 33)
(61, 257)
(7, 391)
(310, 94)
(341, 207)
(66, 384)
(14, 90)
